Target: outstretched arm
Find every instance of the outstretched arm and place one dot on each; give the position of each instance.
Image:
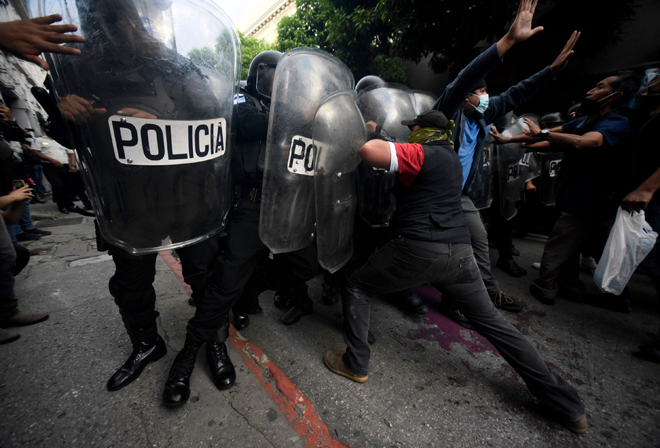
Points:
(27, 39)
(458, 90)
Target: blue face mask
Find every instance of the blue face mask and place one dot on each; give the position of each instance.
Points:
(483, 103)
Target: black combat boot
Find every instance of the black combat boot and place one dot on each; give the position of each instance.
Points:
(148, 347)
(302, 306)
(241, 319)
(411, 303)
(222, 369)
(331, 293)
(177, 387)
(283, 298)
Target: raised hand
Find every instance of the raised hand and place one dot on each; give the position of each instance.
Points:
(521, 29)
(27, 39)
(566, 53)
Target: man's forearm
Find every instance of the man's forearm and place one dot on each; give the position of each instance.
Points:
(538, 147)
(652, 184)
(13, 215)
(570, 141)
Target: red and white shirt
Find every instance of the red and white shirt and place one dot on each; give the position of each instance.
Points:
(407, 160)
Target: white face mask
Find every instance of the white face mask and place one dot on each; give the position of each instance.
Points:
(483, 102)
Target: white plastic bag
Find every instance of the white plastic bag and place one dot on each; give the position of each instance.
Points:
(630, 241)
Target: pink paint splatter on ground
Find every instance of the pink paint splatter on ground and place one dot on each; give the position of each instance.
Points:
(448, 331)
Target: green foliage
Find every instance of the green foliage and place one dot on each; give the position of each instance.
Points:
(351, 30)
(210, 58)
(250, 47)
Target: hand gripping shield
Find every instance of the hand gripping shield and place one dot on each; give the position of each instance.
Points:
(423, 101)
(383, 108)
(339, 132)
(158, 172)
(511, 181)
(303, 79)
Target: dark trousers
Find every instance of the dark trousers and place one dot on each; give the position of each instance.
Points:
(651, 264)
(8, 301)
(132, 284)
(65, 185)
(234, 267)
(479, 238)
(571, 234)
(452, 269)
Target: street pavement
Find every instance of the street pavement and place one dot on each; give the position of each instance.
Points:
(431, 384)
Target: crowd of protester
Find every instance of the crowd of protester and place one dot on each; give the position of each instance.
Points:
(613, 126)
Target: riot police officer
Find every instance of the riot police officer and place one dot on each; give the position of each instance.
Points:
(244, 249)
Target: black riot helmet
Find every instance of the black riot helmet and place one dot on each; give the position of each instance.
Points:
(552, 120)
(368, 81)
(262, 73)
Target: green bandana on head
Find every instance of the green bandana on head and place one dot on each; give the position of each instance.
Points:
(427, 135)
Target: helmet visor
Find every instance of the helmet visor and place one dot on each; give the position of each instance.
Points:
(264, 81)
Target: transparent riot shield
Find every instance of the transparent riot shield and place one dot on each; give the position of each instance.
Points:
(423, 101)
(484, 198)
(339, 132)
(530, 166)
(511, 181)
(549, 183)
(155, 153)
(383, 108)
(303, 79)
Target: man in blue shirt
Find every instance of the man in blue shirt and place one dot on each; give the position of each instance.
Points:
(466, 102)
(591, 181)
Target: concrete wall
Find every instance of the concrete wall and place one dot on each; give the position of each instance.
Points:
(261, 22)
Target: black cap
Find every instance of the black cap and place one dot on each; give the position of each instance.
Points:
(479, 85)
(428, 119)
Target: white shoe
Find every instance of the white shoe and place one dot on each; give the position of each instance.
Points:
(536, 266)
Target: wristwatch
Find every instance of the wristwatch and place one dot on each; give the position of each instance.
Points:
(543, 136)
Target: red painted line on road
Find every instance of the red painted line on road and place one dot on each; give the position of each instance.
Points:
(296, 407)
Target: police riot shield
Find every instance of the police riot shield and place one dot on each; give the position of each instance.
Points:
(339, 132)
(483, 198)
(303, 79)
(549, 183)
(508, 161)
(383, 108)
(155, 151)
(423, 101)
(530, 167)
(550, 163)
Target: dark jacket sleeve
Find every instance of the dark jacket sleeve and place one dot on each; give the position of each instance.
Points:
(502, 104)
(12, 131)
(456, 92)
(252, 123)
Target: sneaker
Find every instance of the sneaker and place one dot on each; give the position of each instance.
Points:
(536, 266)
(335, 362)
(545, 296)
(511, 268)
(27, 236)
(505, 302)
(38, 232)
(588, 263)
